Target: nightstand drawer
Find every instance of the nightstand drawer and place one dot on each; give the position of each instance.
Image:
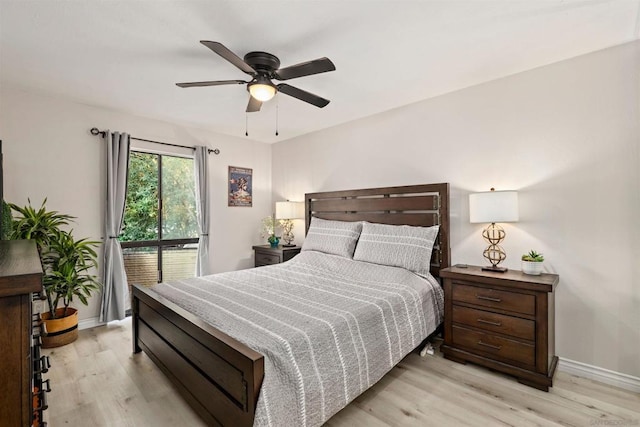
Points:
(493, 298)
(266, 259)
(267, 255)
(494, 322)
(498, 347)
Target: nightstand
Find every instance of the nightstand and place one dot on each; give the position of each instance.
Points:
(503, 321)
(266, 255)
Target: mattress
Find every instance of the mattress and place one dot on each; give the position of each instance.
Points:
(328, 326)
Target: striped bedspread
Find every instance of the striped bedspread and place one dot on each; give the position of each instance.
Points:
(329, 327)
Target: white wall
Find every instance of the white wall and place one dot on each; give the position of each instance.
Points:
(566, 136)
(49, 152)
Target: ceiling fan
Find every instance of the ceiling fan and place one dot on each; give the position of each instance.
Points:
(264, 67)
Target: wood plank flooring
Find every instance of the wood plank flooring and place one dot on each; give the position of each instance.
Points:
(97, 381)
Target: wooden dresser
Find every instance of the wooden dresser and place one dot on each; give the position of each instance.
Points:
(20, 277)
(504, 321)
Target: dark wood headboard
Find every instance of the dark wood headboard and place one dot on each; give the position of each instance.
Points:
(422, 205)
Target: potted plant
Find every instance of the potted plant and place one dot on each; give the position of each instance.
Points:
(532, 263)
(38, 225)
(269, 225)
(67, 265)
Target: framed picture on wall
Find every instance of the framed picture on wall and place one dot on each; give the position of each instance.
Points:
(240, 186)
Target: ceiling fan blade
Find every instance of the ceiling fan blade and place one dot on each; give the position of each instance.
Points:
(212, 83)
(221, 50)
(253, 105)
(303, 95)
(317, 66)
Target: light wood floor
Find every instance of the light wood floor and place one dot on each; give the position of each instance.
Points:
(96, 381)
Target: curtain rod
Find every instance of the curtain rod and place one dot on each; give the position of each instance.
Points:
(96, 132)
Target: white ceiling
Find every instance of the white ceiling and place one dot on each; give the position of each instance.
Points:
(128, 55)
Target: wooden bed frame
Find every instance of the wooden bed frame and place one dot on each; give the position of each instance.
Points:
(221, 377)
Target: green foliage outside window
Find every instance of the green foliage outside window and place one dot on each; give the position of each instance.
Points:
(178, 198)
(141, 208)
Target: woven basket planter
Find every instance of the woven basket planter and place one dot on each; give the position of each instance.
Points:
(60, 331)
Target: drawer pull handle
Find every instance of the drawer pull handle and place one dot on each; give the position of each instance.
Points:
(42, 365)
(489, 322)
(495, 347)
(488, 298)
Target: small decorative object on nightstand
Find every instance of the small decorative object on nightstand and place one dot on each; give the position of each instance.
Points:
(286, 212)
(269, 225)
(504, 321)
(273, 241)
(266, 255)
(494, 206)
(532, 263)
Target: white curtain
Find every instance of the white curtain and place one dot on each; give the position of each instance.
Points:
(201, 172)
(115, 293)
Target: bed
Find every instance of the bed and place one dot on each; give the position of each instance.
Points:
(221, 378)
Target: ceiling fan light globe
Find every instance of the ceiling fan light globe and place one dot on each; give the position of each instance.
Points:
(262, 92)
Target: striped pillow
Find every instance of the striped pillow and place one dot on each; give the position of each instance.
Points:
(397, 245)
(332, 237)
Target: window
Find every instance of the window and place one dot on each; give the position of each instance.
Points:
(160, 233)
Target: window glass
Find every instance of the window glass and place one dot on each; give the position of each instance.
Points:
(141, 206)
(178, 198)
(178, 262)
(141, 265)
(150, 255)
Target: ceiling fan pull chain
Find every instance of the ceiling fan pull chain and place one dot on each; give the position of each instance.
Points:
(246, 124)
(277, 109)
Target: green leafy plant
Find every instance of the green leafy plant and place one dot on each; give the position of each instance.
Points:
(69, 262)
(39, 225)
(66, 262)
(6, 220)
(533, 256)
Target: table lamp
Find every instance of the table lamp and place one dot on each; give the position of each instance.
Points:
(286, 212)
(492, 207)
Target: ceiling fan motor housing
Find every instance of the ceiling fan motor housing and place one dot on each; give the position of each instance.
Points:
(263, 62)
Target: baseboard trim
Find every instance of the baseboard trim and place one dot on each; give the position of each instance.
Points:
(89, 323)
(618, 379)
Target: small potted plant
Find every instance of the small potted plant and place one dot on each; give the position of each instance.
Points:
(269, 225)
(532, 263)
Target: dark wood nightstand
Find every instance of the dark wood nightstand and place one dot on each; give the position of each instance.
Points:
(266, 255)
(504, 321)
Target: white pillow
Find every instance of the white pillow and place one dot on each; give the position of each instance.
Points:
(332, 237)
(397, 245)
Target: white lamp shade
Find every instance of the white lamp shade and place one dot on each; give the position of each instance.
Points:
(289, 210)
(493, 206)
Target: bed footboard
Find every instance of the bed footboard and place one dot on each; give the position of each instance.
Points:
(217, 375)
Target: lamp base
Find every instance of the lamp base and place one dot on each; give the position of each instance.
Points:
(495, 269)
(288, 245)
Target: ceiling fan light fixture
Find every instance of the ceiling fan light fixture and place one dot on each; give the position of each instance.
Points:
(262, 91)
(263, 67)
